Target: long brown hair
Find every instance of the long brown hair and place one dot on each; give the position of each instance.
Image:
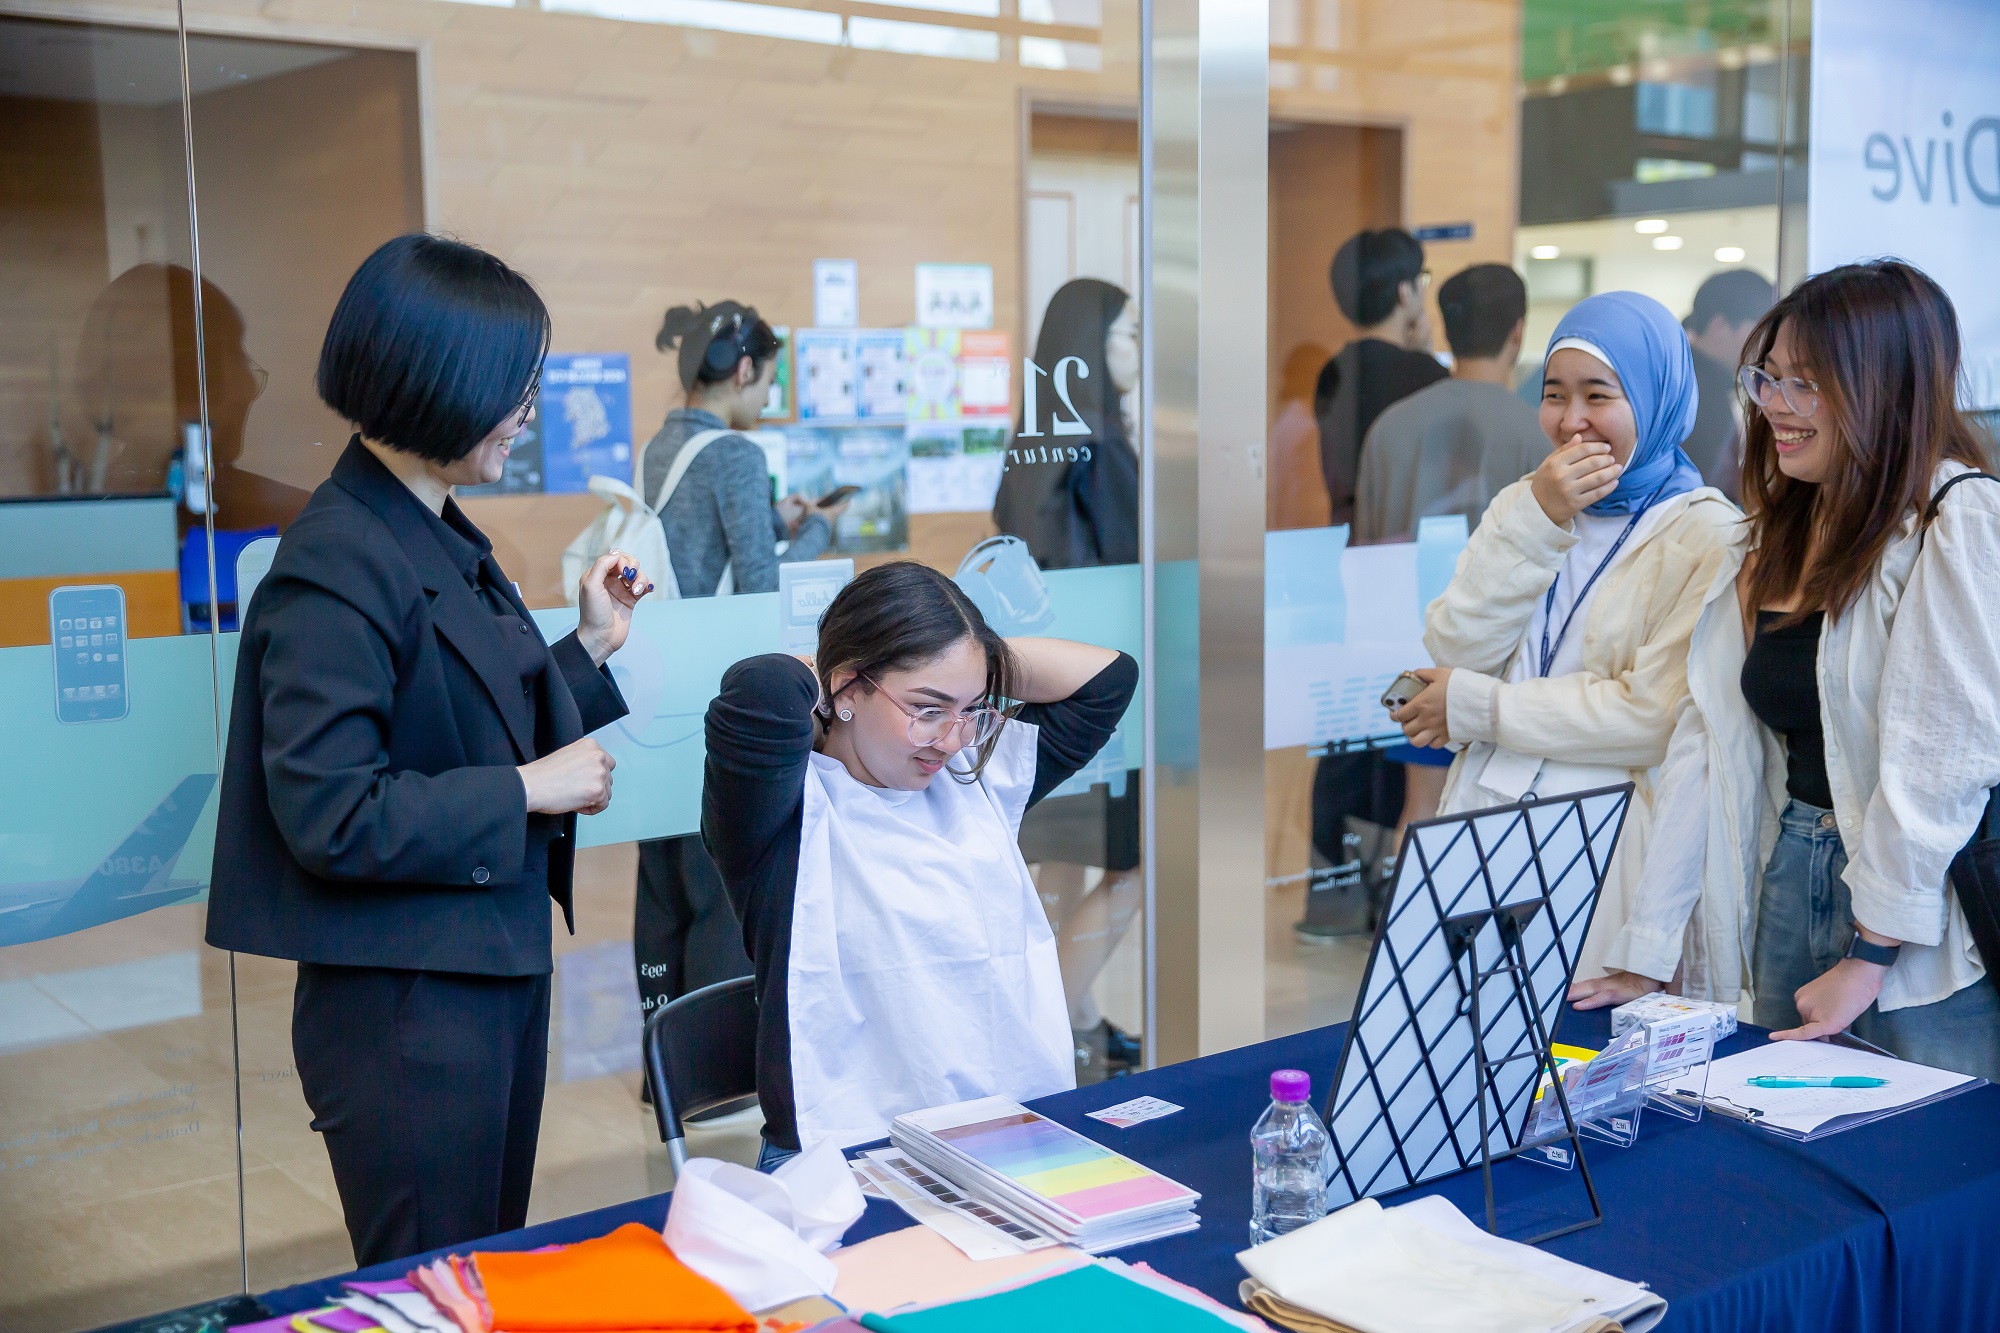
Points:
(1881, 341)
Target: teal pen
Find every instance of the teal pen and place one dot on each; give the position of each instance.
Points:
(1843, 1081)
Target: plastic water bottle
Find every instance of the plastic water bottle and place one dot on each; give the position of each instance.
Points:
(1288, 1147)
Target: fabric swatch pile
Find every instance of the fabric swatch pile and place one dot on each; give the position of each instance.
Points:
(626, 1282)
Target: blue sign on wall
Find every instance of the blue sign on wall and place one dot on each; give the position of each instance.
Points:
(586, 420)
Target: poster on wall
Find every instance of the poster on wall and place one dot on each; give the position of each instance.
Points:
(586, 420)
(1905, 154)
(955, 296)
(955, 466)
(824, 375)
(875, 458)
(836, 293)
(881, 384)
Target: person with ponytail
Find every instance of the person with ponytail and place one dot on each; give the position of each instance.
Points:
(1842, 731)
(862, 806)
(1561, 641)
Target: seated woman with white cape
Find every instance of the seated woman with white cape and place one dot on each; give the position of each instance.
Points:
(863, 807)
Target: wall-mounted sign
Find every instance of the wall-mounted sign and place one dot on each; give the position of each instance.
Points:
(955, 296)
(836, 293)
(1444, 231)
(586, 420)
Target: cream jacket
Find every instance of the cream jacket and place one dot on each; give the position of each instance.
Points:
(1609, 722)
(1909, 689)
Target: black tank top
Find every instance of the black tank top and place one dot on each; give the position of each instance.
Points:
(1781, 684)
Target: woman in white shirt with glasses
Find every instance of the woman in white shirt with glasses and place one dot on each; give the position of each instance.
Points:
(1843, 724)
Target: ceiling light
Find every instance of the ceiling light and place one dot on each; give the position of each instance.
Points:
(1667, 242)
(1545, 252)
(1650, 226)
(1729, 254)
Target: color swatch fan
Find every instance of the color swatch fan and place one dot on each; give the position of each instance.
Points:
(1046, 1174)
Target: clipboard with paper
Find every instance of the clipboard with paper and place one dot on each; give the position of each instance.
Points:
(1805, 1114)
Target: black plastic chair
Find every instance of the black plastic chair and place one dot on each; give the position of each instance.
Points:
(701, 1058)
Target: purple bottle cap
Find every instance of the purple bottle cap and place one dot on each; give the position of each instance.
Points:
(1291, 1085)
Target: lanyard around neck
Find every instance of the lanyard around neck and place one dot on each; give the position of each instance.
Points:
(1549, 650)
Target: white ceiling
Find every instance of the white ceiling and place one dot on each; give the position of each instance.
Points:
(75, 62)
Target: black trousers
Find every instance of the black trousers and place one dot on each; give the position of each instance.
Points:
(684, 932)
(427, 1088)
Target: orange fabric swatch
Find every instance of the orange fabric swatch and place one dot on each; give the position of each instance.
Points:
(620, 1283)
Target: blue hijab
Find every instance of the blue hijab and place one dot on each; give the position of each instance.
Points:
(1647, 348)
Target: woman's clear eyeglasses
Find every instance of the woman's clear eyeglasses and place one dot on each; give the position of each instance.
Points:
(1801, 396)
(935, 726)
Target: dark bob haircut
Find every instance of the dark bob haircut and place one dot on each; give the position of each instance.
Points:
(433, 344)
(1369, 268)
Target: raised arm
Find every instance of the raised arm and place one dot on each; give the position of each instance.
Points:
(1513, 556)
(760, 740)
(1049, 670)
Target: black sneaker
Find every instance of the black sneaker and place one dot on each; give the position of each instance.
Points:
(1122, 1048)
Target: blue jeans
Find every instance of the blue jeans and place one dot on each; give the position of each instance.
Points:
(770, 1156)
(1804, 922)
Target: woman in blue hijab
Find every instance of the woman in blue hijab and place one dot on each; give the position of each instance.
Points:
(1561, 642)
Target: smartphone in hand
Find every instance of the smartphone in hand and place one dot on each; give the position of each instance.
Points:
(836, 496)
(1401, 690)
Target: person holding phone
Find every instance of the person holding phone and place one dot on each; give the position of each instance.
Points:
(1843, 725)
(723, 535)
(863, 807)
(1561, 641)
(407, 757)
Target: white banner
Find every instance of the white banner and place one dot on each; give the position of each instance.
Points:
(1905, 153)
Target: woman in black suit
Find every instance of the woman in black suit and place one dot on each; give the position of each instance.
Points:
(407, 757)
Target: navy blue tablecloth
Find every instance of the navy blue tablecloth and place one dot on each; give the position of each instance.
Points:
(1890, 1228)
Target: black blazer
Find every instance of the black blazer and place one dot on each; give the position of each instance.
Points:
(370, 813)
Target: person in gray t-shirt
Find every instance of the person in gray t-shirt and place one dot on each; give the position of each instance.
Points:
(1448, 448)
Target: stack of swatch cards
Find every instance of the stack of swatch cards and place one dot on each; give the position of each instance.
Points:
(1045, 1176)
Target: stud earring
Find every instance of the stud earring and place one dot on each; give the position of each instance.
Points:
(847, 715)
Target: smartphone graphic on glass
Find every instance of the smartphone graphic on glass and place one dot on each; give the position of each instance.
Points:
(87, 635)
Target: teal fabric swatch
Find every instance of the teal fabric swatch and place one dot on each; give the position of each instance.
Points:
(1083, 1300)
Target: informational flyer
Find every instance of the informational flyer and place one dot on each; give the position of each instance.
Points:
(586, 420)
(875, 458)
(985, 374)
(955, 296)
(882, 385)
(931, 359)
(955, 466)
(828, 386)
(836, 293)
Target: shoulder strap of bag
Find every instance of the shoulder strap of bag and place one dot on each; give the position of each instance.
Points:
(1931, 509)
(689, 450)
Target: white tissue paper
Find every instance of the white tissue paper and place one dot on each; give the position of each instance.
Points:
(763, 1238)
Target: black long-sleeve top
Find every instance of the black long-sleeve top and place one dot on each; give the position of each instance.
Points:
(760, 742)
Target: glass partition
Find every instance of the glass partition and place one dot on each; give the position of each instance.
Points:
(117, 1071)
(1590, 149)
(937, 212)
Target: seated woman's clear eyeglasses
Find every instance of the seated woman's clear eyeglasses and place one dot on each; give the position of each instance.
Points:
(1801, 396)
(934, 726)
